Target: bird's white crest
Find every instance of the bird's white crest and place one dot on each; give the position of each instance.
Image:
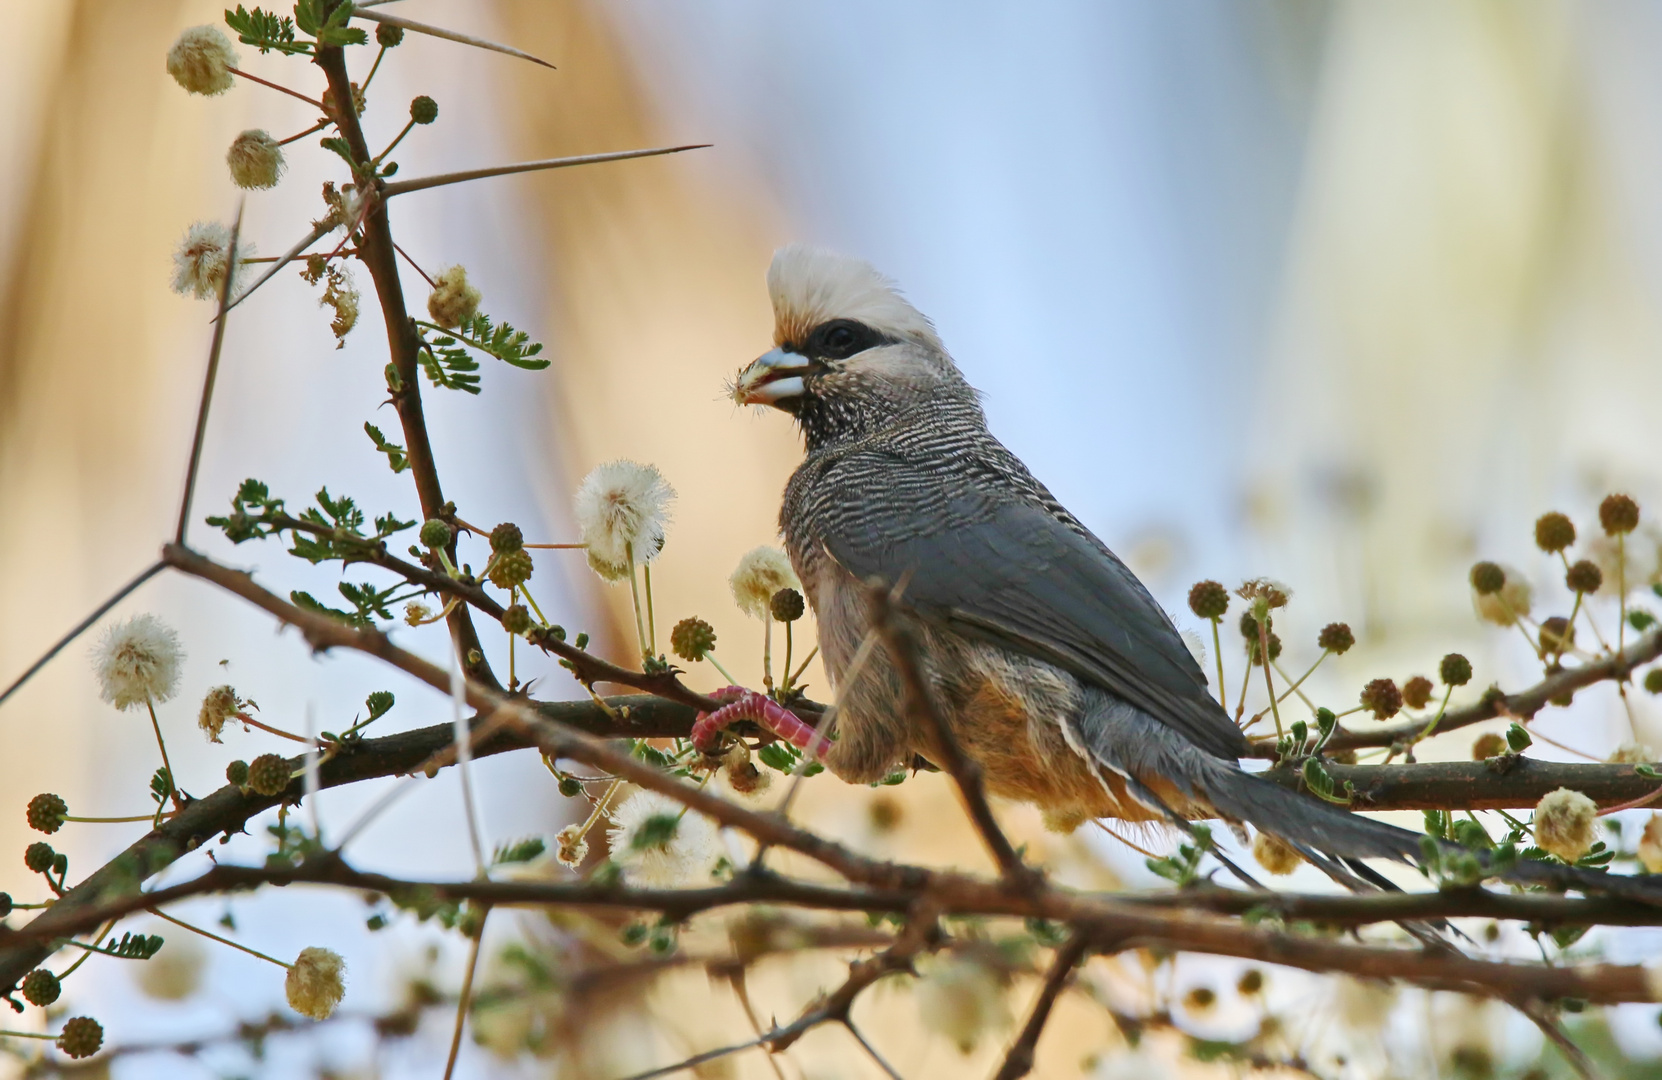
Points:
(810, 285)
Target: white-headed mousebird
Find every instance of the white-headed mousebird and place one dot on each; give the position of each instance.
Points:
(1055, 668)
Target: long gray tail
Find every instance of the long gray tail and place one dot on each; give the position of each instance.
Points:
(1306, 821)
(1122, 738)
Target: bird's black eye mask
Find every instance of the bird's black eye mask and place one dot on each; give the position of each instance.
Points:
(839, 339)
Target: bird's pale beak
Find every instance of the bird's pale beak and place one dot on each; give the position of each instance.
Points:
(772, 378)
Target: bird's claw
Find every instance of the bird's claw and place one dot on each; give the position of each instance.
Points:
(741, 704)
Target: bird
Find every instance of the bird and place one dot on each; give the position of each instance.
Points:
(1055, 668)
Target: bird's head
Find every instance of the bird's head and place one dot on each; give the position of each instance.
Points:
(849, 351)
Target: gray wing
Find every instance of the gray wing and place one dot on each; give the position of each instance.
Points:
(1011, 571)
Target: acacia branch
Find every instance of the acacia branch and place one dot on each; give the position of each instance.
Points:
(1522, 705)
(923, 711)
(1019, 1061)
(403, 343)
(1498, 783)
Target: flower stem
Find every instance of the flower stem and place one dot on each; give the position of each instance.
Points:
(70, 970)
(172, 782)
(711, 657)
(767, 651)
(1621, 590)
(395, 142)
(523, 591)
(800, 668)
(431, 284)
(1429, 728)
(1217, 651)
(467, 995)
(279, 732)
(291, 93)
(1269, 682)
(651, 620)
(373, 68)
(1285, 694)
(635, 595)
(319, 126)
(787, 668)
(215, 937)
(105, 821)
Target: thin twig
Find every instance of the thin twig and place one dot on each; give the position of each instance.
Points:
(1018, 1062)
(466, 995)
(179, 534)
(81, 627)
(1522, 705)
(313, 102)
(924, 711)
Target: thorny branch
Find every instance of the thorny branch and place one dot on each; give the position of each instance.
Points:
(1019, 1061)
(1522, 705)
(925, 713)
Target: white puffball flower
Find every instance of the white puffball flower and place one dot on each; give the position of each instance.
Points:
(660, 844)
(175, 973)
(201, 59)
(255, 159)
(1650, 846)
(1566, 824)
(138, 661)
(200, 259)
(453, 300)
(622, 508)
(762, 572)
(1503, 608)
(316, 983)
(962, 999)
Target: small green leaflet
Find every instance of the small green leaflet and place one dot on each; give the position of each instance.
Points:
(396, 457)
(265, 31)
(330, 28)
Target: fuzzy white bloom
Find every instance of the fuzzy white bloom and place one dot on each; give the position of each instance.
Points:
(1275, 854)
(175, 973)
(761, 572)
(572, 847)
(199, 261)
(1653, 979)
(1650, 846)
(138, 661)
(219, 705)
(1566, 823)
(1631, 754)
(962, 999)
(1636, 558)
(416, 613)
(453, 301)
(1503, 608)
(660, 844)
(622, 508)
(316, 982)
(201, 59)
(1363, 1005)
(256, 160)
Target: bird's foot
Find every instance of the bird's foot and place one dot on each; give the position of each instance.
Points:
(741, 704)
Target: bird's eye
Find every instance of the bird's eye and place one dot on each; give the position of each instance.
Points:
(841, 339)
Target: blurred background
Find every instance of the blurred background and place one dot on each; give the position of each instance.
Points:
(1338, 292)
